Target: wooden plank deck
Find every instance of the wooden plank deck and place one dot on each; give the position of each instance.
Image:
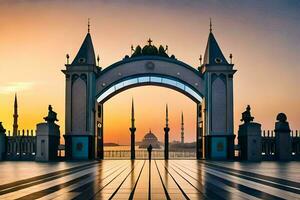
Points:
(158, 179)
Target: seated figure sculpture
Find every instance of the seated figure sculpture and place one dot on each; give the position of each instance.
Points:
(52, 116)
(246, 115)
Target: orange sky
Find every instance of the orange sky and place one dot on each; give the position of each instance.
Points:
(35, 37)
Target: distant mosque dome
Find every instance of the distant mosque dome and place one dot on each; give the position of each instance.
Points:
(148, 139)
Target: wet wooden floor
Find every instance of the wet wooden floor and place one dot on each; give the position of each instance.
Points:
(158, 179)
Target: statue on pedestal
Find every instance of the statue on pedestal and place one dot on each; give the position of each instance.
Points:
(246, 115)
(52, 116)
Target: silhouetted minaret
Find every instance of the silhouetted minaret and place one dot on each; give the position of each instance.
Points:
(167, 129)
(15, 125)
(132, 130)
(182, 128)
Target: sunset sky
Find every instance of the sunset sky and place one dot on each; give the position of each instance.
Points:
(263, 36)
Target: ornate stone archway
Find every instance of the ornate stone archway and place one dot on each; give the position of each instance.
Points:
(88, 87)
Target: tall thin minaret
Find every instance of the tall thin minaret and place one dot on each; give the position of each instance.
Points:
(15, 125)
(132, 131)
(182, 128)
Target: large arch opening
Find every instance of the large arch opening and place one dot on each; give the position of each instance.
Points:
(108, 139)
(157, 80)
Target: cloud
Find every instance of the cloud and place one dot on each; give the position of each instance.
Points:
(13, 87)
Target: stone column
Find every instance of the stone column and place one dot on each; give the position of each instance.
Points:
(166, 129)
(283, 140)
(2, 141)
(249, 138)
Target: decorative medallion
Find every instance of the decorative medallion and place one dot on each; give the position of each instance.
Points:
(220, 146)
(79, 146)
(150, 65)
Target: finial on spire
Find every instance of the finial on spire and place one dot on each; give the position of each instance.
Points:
(200, 59)
(132, 50)
(89, 25)
(98, 59)
(67, 56)
(210, 25)
(230, 56)
(150, 41)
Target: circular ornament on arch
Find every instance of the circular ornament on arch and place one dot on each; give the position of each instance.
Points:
(150, 65)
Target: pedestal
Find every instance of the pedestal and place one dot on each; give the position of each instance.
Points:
(249, 138)
(79, 147)
(47, 141)
(283, 141)
(2, 145)
(219, 147)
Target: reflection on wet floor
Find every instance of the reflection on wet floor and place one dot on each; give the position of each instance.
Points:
(141, 179)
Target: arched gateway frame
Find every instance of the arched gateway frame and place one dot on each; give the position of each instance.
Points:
(136, 80)
(88, 87)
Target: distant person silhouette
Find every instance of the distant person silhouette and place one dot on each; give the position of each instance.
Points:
(149, 149)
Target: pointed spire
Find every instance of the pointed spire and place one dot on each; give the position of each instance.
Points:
(16, 100)
(210, 25)
(167, 116)
(98, 59)
(132, 113)
(15, 125)
(213, 54)
(89, 25)
(86, 53)
(182, 128)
